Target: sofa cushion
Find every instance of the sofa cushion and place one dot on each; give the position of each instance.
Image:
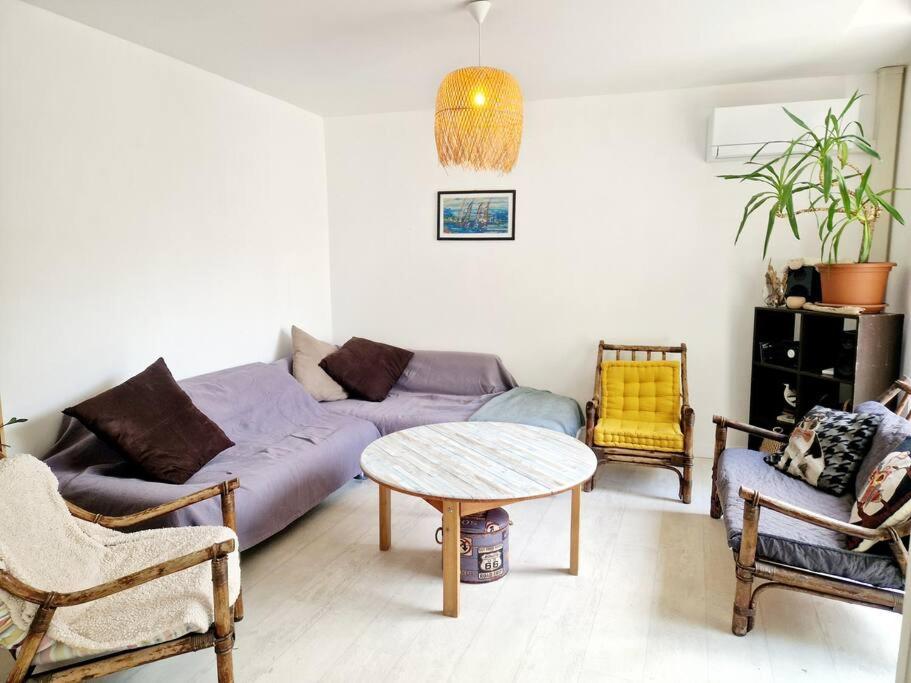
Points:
(640, 405)
(153, 422)
(365, 368)
(404, 409)
(308, 351)
(892, 430)
(826, 448)
(455, 372)
(658, 436)
(886, 498)
(792, 542)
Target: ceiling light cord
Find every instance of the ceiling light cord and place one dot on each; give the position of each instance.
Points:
(479, 10)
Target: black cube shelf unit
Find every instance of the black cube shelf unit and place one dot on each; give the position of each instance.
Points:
(841, 360)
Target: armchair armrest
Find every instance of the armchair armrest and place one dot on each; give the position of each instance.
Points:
(228, 513)
(142, 576)
(25, 592)
(810, 517)
(892, 535)
(591, 418)
(722, 424)
(49, 602)
(687, 426)
(117, 522)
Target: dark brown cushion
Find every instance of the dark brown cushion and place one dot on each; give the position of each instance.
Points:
(153, 422)
(366, 369)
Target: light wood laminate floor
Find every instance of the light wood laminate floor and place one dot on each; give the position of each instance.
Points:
(652, 601)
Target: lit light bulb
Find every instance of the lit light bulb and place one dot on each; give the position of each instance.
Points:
(479, 99)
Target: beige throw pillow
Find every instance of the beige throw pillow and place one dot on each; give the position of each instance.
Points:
(307, 353)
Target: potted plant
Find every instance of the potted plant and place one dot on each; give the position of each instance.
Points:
(814, 169)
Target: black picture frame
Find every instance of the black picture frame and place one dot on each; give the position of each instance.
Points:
(468, 237)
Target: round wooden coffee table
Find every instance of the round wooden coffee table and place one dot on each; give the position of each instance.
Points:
(461, 468)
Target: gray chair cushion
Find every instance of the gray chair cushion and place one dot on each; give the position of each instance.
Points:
(891, 432)
(793, 542)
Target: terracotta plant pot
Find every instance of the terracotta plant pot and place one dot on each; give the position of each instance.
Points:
(855, 284)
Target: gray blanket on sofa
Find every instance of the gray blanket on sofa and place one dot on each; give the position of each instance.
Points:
(524, 405)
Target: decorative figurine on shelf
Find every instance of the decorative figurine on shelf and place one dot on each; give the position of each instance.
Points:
(790, 396)
(790, 407)
(775, 285)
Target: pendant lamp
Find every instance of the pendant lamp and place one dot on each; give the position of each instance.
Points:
(478, 121)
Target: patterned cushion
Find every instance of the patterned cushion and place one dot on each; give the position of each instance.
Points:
(889, 436)
(826, 448)
(886, 498)
(640, 405)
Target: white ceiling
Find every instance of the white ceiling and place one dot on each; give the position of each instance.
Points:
(336, 57)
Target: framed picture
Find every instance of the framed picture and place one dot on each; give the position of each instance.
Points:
(476, 215)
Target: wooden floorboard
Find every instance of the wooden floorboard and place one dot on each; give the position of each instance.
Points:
(652, 601)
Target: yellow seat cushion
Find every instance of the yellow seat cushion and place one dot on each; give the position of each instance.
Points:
(640, 406)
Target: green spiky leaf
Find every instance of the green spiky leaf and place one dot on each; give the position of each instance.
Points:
(851, 100)
(754, 203)
(845, 197)
(792, 217)
(862, 188)
(892, 211)
(796, 119)
(826, 176)
(773, 212)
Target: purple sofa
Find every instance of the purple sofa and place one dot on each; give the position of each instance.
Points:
(290, 452)
(437, 386)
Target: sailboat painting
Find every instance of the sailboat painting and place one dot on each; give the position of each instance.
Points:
(476, 215)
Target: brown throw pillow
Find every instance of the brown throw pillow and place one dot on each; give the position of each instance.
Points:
(153, 422)
(366, 369)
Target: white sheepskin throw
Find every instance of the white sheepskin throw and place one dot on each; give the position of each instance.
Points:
(43, 545)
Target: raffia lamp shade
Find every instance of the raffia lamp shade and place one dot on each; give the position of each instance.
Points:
(478, 120)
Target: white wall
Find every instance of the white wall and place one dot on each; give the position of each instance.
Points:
(623, 232)
(900, 246)
(900, 296)
(149, 208)
(146, 208)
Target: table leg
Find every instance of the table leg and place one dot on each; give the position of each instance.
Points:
(452, 521)
(385, 517)
(574, 531)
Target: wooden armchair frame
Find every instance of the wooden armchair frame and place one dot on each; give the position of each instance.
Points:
(748, 567)
(220, 636)
(681, 462)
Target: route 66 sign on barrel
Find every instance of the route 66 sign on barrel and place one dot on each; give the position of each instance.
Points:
(486, 536)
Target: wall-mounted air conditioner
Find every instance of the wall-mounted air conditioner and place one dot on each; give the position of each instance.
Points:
(737, 132)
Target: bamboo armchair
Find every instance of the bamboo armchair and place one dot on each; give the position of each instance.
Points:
(680, 462)
(220, 636)
(749, 567)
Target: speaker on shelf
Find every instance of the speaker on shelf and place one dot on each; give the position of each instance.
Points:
(847, 350)
(779, 353)
(804, 281)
